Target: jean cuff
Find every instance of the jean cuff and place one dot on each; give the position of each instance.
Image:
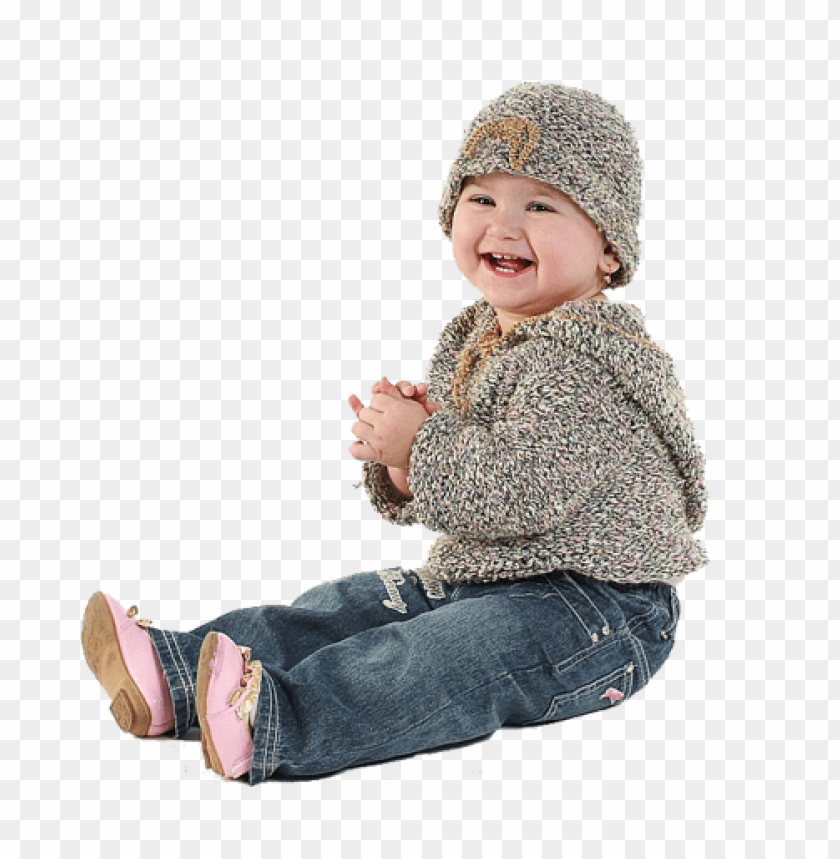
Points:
(180, 676)
(268, 748)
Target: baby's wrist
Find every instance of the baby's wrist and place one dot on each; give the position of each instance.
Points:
(399, 477)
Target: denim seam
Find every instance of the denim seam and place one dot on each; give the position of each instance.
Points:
(276, 733)
(641, 657)
(268, 728)
(586, 597)
(272, 733)
(177, 688)
(674, 607)
(189, 686)
(638, 621)
(572, 610)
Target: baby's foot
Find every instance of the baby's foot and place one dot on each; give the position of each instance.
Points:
(228, 685)
(120, 653)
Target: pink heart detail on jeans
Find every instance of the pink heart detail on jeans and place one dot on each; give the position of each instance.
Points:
(613, 694)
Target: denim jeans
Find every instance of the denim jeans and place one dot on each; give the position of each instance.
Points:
(383, 665)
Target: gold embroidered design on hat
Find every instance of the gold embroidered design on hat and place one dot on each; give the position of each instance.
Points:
(521, 134)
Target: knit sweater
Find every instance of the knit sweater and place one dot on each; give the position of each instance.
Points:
(575, 453)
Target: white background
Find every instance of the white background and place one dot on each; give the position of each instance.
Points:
(218, 221)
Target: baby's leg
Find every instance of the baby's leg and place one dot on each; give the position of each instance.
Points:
(445, 678)
(285, 635)
(488, 655)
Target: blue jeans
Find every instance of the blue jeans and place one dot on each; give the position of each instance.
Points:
(381, 665)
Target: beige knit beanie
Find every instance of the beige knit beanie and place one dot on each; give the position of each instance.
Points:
(569, 138)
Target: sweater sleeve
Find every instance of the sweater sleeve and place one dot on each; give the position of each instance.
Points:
(384, 497)
(521, 474)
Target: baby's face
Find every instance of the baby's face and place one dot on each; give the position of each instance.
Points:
(528, 218)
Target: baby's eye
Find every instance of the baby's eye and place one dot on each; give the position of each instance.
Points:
(476, 200)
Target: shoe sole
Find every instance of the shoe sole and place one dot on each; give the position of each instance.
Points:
(205, 661)
(104, 656)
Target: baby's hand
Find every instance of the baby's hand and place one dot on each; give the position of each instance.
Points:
(388, 428)
(410, 392)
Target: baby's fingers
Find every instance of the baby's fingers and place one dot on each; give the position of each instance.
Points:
(405, 388)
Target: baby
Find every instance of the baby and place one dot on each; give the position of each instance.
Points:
(551, 448)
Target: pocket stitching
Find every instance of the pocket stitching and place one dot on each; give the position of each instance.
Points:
(608, 679)
(616, 636)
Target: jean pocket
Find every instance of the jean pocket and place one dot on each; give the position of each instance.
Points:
(607, 691)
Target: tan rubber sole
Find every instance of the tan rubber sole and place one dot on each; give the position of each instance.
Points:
(205, 659)
(105, 659)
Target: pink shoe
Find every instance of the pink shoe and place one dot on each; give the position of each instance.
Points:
(120, 653)
(227, 689)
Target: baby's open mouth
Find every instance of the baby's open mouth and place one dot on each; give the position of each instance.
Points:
(506, 267)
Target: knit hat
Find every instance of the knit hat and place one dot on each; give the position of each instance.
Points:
(566, 137)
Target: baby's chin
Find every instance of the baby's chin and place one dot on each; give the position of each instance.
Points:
(534, 302)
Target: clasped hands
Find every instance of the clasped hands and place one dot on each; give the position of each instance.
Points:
(387, 428)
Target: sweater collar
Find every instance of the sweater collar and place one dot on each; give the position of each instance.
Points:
(620, 316)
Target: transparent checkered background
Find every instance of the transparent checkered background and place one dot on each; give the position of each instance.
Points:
(217, 223)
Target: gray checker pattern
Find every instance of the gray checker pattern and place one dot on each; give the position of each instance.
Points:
(218, 222)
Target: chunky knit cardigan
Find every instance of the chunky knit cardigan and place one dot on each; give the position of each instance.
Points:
(574, 452)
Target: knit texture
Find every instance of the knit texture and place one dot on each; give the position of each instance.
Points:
(569, 138)
(574, 452)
